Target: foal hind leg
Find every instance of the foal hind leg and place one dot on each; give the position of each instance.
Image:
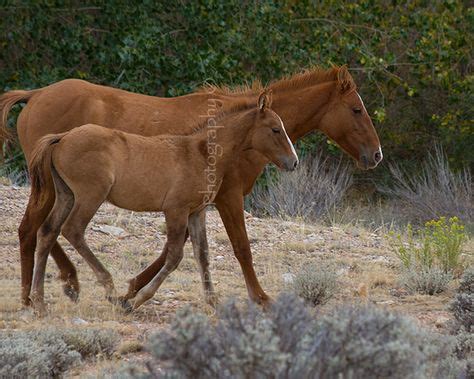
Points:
(176, 224)
(197, 230)
(47, 236)
(85, 207)
(27, 232)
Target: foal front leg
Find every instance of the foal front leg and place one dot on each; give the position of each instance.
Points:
(176, 224)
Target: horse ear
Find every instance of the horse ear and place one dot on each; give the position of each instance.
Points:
(344, 79)
(265, 100)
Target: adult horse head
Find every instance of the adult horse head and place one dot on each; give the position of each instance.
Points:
(327, 100)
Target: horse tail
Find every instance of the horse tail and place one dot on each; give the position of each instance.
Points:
(41, 164)
(7, 101)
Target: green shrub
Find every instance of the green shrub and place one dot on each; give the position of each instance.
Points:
(439, 244)
(316, 283)
(427, 281)
(50, 352)
(289, 342)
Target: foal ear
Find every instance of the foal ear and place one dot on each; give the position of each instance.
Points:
(264, 100)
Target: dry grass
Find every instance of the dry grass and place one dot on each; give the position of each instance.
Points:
(365, 267)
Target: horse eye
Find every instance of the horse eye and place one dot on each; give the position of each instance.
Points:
(357, 110)
(276, 130)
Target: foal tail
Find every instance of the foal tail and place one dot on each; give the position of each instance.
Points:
(41, 165)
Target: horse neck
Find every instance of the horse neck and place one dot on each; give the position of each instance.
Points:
(302, 109)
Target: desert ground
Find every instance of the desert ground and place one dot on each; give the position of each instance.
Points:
(367, 270)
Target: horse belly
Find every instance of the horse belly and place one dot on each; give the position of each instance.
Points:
(136, 194)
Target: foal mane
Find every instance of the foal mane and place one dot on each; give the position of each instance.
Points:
(309, 77)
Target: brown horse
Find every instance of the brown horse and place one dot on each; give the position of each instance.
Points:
(92, 164)
(324, 100)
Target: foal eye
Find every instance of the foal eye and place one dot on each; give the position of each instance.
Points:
(357, 110)
(275, 130)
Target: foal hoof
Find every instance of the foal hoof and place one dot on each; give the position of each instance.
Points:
(122, 302)
(212, 299)
(126, 305)
(71, 292)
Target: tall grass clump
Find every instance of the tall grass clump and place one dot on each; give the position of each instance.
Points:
(316, 187)
(434, 192)
(289, 341)
(431, 256)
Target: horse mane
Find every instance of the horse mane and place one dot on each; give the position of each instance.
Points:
(309, 77)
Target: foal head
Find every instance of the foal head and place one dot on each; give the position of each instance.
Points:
(269, 136)
(349, 125)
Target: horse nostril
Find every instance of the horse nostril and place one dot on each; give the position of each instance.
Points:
(295, 164)
(377, 156)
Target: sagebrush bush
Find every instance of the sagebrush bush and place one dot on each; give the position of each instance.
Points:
(436, 192)
(463, 304)
(316, 283)
(50, 352)
(289, 342)
(312, 191)
(427, 281)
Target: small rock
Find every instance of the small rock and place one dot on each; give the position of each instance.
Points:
(288, 277)
(79, 321)
(111, 230)
(219, 257)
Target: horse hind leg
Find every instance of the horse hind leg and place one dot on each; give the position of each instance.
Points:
(47, 236)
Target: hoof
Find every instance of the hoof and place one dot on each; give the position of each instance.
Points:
(212, 299)
(126, 305)
(122, 302)
(26, 302)
(40, 310)
(71, 292)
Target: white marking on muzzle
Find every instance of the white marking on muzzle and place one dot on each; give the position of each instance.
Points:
(288, 139)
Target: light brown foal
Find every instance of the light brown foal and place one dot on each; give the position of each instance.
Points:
(179, 175)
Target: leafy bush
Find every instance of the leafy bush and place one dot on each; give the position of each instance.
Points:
(288, 342)
(426, 280)
(311, 192)
(316, 283)
(50, 352)
(435, 192)
(439, 245)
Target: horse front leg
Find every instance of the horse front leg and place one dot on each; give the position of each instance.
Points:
(231, 209)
